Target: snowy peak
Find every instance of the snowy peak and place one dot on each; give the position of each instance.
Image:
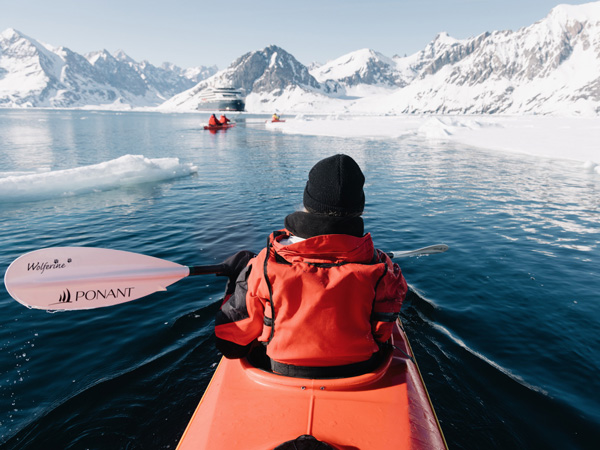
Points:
(120, 55)
(588, 12)
(444, 51)
(10, 34)
(93, 57)
(442, 43)
(271, 69)
(27, 68)
(364, 66)
(13, 43)
(195, 74)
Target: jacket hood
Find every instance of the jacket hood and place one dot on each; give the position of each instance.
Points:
(328, 248)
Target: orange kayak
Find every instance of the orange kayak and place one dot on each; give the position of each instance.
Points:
(248, 408)
(219, 127)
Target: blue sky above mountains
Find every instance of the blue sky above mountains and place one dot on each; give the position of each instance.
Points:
(190, 33)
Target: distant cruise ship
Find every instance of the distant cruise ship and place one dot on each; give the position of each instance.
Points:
(222, 99)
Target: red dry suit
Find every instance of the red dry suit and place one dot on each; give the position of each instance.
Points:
(324, 301)
(213, 121)
(224, 120)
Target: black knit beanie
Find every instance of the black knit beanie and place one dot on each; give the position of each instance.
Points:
(335, 187)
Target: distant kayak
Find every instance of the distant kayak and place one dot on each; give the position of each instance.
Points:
(275, 121)
(250, 408)
(219, 127)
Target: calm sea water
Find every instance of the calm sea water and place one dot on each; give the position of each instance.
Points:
(504, 325)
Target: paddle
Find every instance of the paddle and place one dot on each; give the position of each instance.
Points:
(430, 250)
(70, 278)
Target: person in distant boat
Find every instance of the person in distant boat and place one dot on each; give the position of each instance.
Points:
(213, 121)
(320, 300)
(275, 117)
(224, 120)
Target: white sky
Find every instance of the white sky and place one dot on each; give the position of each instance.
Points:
(193, 33)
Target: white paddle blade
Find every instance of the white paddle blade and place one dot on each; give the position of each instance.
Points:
(70, 278)
(430, 250)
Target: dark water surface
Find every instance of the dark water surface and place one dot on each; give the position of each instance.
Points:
(504, 325)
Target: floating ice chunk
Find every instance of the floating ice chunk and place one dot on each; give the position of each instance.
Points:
(434, 128)
(124, 171)
(591, 166)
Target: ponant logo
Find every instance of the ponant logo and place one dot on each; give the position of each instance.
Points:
(95, 294)
(65, 297)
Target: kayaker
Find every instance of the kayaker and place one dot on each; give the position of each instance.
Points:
(275, 117)
(325, 300)
(213, 121)
(224, 120)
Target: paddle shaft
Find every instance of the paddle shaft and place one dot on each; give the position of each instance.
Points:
(217, 269)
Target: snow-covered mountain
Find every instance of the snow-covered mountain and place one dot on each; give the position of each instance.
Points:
(550, 67)
(265, 75)
(33, 74)
(364, 66)
(196, 74)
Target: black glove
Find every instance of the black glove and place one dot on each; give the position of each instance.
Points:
(235, 263)
(233, 266)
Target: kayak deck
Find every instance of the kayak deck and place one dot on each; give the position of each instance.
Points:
(248, 408)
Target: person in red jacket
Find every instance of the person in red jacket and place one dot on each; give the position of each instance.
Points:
(319, 298)
(213, 121)
(224, 120)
